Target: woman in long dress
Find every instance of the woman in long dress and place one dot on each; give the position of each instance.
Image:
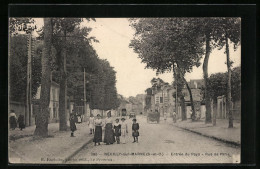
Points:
(91, 124)
(12, 120)
(109, 133)
(124, 130)
(73, 119)
(98, 130)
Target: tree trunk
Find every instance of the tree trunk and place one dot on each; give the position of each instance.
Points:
(183, 108)
(63, 89)
(193, 116)
(43, 115)
(205, 75)
(230, 113)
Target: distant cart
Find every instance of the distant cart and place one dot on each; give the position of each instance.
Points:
(132, 115)
(153, 117)
(123, 113)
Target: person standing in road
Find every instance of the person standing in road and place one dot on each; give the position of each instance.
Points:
(124, 130)
(109, 132)
(98, 130)
(165, 117)
(117, 128)
(91, 124)
(73, 120)
(135, 131)
(12, 120)
(21, 122)
(174, 116)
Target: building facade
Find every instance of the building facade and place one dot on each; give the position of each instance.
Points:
(54, 102)
(162, 99)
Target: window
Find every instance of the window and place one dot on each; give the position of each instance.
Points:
(53, 94)
(54, 113)
(54, 110)
(157, 100)
(161, 99)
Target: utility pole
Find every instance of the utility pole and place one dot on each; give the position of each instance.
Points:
(163, 100)
(176, 107)
(9, 58)
(29, 75)
(30, 95)
(84, 110)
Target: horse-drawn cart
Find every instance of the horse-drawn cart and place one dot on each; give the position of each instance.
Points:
(153, 117)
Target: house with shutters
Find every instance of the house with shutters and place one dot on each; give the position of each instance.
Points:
(162, 98)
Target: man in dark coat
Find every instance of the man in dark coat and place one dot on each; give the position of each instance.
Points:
(73, 119)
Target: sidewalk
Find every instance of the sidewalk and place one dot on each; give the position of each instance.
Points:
(24, 148)
(219, 132)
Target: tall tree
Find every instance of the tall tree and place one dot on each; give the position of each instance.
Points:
(43, 114)
(217, 85)
(179, 84)
(18, 67)
(205, 28)
(213, 33)
(81, 55)
(61, 27)
(163, 42)
(229, 29)
(103, 89)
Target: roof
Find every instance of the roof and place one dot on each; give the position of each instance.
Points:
(196, 95)
(196, 83)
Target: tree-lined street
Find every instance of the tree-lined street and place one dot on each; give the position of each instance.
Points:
(58, 75)
(159, 143)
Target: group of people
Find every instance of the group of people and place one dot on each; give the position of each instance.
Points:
(114, 131)
(13, 121)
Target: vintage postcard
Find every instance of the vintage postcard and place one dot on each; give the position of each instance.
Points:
(124, 90)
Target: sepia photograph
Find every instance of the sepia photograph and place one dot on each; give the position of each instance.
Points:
(144, 90)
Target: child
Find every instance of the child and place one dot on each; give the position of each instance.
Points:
(117, 131)
(73, 119)
(124, 130)
(98, 130)
(135, 132)
(91, 124)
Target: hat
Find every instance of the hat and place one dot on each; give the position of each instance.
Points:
(134, 119)
(98, 115)
(117, 119)
(123, 118)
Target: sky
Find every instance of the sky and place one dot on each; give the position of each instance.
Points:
(115, 34)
